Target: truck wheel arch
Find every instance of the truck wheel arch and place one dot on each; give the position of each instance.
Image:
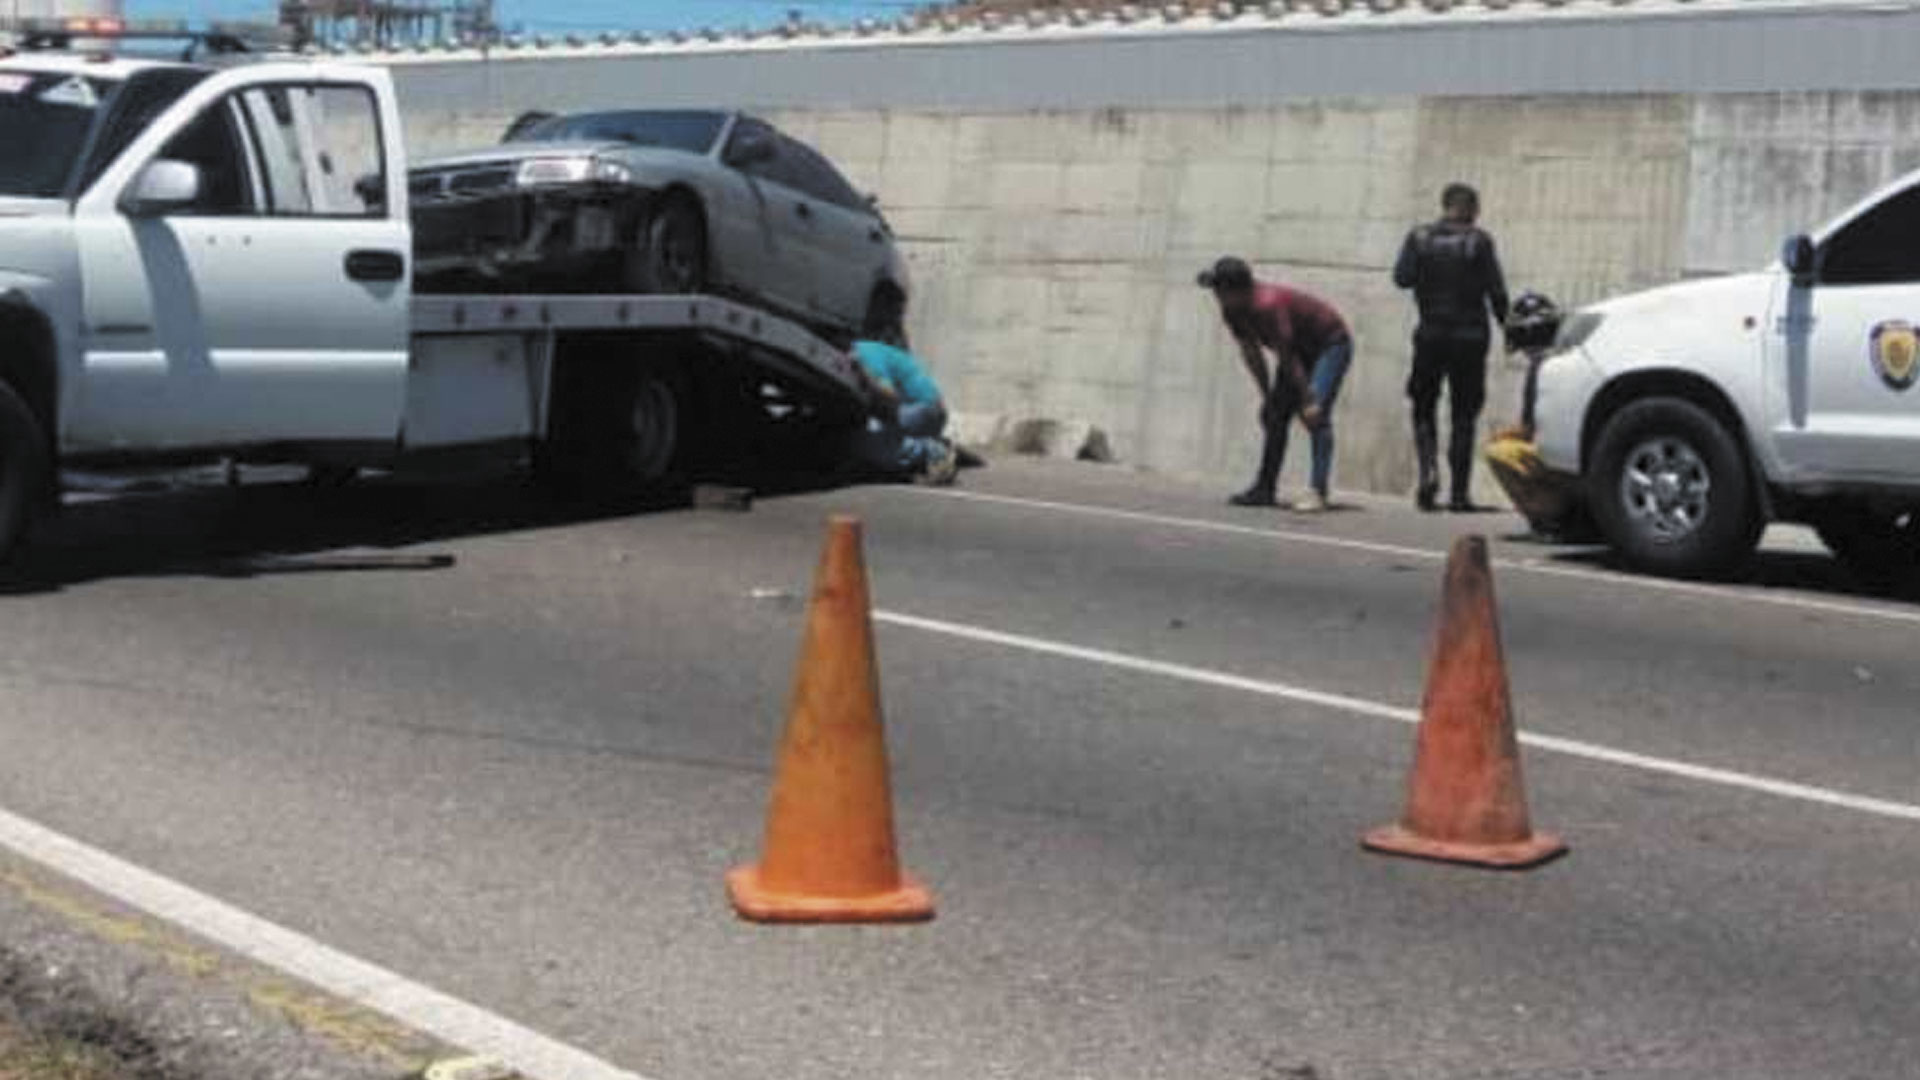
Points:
(29, 362)
(1686, 386)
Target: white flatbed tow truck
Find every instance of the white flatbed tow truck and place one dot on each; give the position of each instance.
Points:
(211, 261)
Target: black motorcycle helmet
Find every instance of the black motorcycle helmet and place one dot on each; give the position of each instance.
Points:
(1533, 321)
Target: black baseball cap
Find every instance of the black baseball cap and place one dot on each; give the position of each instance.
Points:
(1228, 273)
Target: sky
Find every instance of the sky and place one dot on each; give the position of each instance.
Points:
(583, 15)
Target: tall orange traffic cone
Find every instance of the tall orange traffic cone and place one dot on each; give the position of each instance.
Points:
(829, 854)
(1465, 799)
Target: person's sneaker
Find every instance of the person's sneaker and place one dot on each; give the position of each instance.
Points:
(1427, 498)
(1311, 503)
(1253, 497)
(1461, 504)
(944, 469)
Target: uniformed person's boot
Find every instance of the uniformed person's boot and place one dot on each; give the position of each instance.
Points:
(1426, 447)
(1460, 463)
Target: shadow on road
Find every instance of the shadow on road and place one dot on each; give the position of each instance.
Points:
(1800, 571)
(255, 530)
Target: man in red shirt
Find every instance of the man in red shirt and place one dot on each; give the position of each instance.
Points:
(1312, 350)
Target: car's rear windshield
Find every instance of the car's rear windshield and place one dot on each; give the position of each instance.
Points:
(44, 123)
(694, 132)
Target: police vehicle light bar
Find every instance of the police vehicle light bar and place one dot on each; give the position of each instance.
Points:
(220, 38)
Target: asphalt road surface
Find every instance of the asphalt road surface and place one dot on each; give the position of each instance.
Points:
(511, 755)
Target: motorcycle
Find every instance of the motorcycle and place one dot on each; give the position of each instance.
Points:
(1553, 508)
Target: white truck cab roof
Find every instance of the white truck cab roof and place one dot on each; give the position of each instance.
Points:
(116, 68)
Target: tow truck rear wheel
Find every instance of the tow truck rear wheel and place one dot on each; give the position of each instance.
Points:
(649, 442)
(1670, 490)
(1880, 545)
(616, 428)
(23, 469)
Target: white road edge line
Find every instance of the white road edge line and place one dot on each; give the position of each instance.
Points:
(1531, 566)
(1705, 774)
(446, 1018)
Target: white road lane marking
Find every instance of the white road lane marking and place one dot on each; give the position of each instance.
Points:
(446, 1018)
(1531, 566)
(1705, 774)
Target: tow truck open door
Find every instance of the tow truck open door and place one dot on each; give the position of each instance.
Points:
(248, 281)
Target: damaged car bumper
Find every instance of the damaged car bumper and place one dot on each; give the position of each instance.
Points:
(506, 229)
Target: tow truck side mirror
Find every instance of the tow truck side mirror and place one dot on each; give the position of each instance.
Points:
(1800, 259)
(163, 186)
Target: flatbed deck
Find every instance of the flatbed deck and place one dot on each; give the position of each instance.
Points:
(777, 342)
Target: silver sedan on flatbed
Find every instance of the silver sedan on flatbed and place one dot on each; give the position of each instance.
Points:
(661, 202)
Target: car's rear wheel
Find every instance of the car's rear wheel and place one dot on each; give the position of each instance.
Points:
(887, 315)
(1880, 545)
(1671, 492)
(669, 256)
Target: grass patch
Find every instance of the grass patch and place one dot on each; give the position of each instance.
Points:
(28, 1056)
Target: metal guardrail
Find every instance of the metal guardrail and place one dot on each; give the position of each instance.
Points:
(1127, 19)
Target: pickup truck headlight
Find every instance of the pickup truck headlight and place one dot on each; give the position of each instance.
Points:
(540, 172)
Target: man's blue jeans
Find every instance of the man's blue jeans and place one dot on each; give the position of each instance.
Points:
(1284, 402)
(908, 445)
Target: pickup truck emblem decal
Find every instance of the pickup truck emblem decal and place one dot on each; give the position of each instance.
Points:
(76, 92)
(1894, 349)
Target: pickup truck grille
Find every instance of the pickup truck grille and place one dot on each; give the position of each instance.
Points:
(460, 183)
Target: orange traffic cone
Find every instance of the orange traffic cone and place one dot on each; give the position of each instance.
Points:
(1465, 799)
(829, 853)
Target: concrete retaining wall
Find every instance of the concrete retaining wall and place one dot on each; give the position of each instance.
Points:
(1054, 251)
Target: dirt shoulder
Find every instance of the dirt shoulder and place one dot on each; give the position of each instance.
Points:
(92, 991)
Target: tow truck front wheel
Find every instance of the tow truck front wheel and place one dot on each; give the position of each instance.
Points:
(1671, 492)
(23, 469)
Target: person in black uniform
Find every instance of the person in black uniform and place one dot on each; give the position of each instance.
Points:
(1454, 273)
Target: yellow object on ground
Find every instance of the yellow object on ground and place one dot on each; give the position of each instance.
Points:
(1545, 499)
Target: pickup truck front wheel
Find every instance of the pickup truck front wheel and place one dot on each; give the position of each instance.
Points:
(1670, 490)
(1880, 545)
(23, 469)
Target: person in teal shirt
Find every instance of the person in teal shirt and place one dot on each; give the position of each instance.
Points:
(905, 435)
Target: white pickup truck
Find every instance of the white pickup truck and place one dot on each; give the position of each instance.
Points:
(212, 261)
(1690, 416)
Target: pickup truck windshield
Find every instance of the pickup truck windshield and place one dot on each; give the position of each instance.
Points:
(48, 120)
(44, 123)
(694, 132)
